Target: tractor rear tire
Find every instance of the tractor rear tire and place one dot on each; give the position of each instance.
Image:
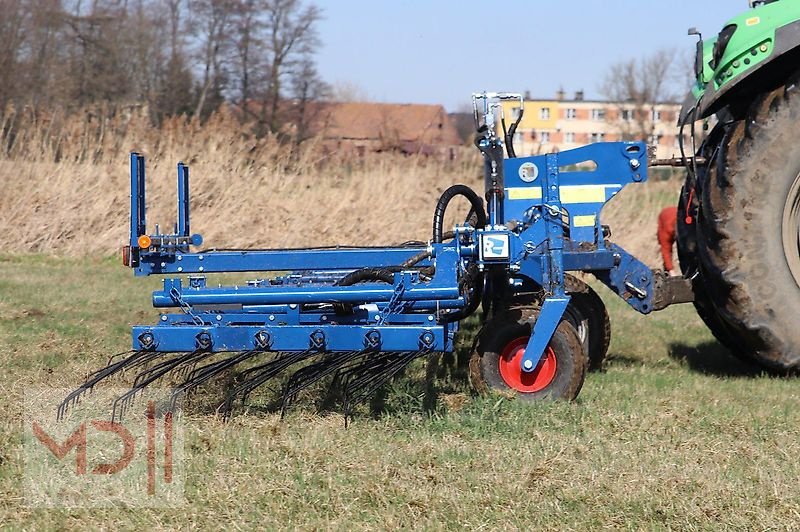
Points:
(495, 360)
(688, 206)
(748, 234)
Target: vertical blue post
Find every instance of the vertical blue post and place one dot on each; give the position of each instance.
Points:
(183, 200)
(138, 224)
(555, 230)
(556, 300)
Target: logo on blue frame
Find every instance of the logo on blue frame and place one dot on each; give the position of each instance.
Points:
(495, 246)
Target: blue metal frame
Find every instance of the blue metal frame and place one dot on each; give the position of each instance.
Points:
(138, 224)
(183, 201)
(546, 222)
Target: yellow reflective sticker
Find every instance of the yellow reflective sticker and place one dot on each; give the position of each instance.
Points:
(569, 193)
(583, 194)
(516, 193)
(584, 221)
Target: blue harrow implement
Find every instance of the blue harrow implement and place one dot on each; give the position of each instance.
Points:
(361, 314)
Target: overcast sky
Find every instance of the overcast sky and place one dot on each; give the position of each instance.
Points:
(416, 51)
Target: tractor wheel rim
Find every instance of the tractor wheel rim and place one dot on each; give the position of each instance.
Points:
(526, 382)
(790, 229)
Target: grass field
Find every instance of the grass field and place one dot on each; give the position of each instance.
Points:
(675, 433)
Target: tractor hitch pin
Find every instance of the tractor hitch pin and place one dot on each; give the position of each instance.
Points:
(635, 290)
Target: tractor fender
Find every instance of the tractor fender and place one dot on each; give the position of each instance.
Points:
(764, 76)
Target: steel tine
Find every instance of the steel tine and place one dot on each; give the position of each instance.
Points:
(149, 357)
(362, 372)
(173, 363)
(205, 373)
(94, 378)
(273, 371)
(357, 394)
(305, 377)
(140, 385)
(344, 373)
(187, 369)
(362, 367)
(214, 367)
(260, 367)
(367, 375)
(263, 372)
(111, 361)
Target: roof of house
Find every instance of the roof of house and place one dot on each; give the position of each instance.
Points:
(401, 123)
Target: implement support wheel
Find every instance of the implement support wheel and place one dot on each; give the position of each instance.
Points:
(495, 361)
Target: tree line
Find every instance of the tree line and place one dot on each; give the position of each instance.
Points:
(175, 57)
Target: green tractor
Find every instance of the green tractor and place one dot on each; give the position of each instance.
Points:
(739, 209)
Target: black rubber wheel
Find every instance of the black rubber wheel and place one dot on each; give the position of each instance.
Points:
(748, 233)
(586, 312)
(688, 207)
(495, 361)
(588, 315)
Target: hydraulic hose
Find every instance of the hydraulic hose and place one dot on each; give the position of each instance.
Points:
(444, 200)
(383, 275)
(471, 283)
(472, 279)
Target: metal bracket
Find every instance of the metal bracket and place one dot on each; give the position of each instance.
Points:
(263, 340)
(427, 341)
(549, 317)
(669, 290)
(316, 341)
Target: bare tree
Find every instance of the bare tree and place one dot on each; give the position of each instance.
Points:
(348, 91)
(213, 18)
(306, 89)
(12, 22)
(635, 87)
(248, 26)
(290, 36)
(175, 79)
(170, 56)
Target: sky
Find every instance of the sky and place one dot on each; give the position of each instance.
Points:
(440, 51)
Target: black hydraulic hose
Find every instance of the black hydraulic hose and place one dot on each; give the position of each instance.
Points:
(510, 140)
(507, 138)
(383, 275)
(509, 135)
(472, 279)
(444, 200)
(416, 259)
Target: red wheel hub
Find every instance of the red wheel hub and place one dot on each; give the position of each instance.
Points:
(522, 381)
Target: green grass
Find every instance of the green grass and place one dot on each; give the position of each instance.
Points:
(675, 433)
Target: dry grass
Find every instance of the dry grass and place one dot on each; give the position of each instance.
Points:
(245, 193)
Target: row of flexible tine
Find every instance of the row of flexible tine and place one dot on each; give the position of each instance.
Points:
(130, 359)
(359, 373)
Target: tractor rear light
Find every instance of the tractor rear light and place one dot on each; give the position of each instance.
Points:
(126, 255)
(144, 242)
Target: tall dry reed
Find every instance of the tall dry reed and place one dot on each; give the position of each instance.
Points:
(65, 187)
